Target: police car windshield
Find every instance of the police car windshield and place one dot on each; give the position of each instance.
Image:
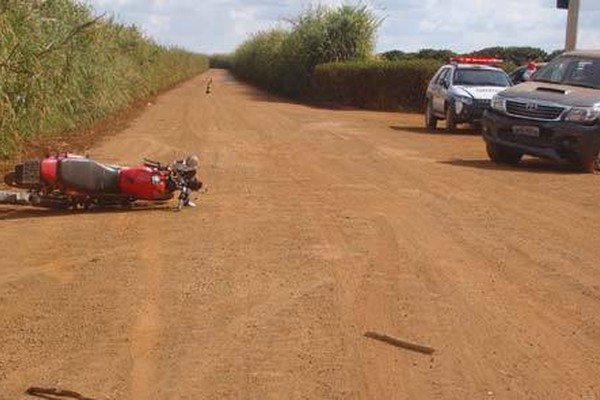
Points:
(480, 77)
(574, 71)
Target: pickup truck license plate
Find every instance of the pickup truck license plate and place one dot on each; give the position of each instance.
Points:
(531, 131)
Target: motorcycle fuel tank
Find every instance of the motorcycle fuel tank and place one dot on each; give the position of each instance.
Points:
(49, 170)
(144, 183)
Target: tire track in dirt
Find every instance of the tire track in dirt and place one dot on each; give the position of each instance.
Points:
(145, 334)
(68, 319)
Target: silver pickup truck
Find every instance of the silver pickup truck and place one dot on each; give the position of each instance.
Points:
(555, 116)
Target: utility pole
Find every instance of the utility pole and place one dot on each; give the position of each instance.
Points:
(572, 25)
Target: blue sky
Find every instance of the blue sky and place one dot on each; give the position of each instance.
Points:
(212, 26)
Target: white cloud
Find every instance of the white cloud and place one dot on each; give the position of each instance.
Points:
(158, 25)
(244, 20)
(462, 25)
(159, 3)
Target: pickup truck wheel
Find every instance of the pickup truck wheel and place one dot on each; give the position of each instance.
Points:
(592, 164)
(430, 119)
(503, 155)
(450, 119)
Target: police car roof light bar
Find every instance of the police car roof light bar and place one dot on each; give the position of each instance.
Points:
(476, 60)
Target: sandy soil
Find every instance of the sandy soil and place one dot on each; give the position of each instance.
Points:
(317, 226)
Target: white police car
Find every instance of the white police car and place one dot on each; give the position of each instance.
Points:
(461, 91)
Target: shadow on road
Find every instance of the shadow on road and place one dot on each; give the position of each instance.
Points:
(421, 130)
(538, 166)
(259, 95)
(265, 97)
(16, 213)
(46, 397)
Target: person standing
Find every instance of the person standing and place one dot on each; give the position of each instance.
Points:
(530, 70)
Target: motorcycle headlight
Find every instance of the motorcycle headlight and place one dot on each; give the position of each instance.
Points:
(156, 180)
(583, 115)
(498, 103)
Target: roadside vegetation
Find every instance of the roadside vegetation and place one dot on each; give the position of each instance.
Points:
(283, 60)
(376, 84)
(222, 61)
(513, 55)
(326, 55)
(61, 68)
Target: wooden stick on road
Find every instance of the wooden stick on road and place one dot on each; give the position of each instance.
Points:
(400, 343)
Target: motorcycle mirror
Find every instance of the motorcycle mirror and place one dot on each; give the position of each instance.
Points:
(192, 161)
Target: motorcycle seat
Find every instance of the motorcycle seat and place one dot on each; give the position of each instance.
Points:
(88, 175)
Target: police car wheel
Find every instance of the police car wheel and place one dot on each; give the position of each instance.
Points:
(430, 119)
(450, 119)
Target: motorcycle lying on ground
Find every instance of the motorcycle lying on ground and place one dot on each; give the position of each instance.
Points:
(68, 181)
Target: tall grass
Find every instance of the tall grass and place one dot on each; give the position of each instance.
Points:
(327, 55)
(380, 85)
(60, 68)
(284, 59)
(220, 61)
(260, 59)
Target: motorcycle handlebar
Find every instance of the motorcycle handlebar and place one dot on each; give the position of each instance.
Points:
(178, 166)
(155, 164)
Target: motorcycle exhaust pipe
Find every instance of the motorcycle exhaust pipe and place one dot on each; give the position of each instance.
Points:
(15, 198)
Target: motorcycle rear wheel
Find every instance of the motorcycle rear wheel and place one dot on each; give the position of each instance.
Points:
(9, 179)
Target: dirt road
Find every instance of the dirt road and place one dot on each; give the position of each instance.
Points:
(317, 226)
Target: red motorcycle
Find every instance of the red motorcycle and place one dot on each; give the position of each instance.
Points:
(70, 181)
